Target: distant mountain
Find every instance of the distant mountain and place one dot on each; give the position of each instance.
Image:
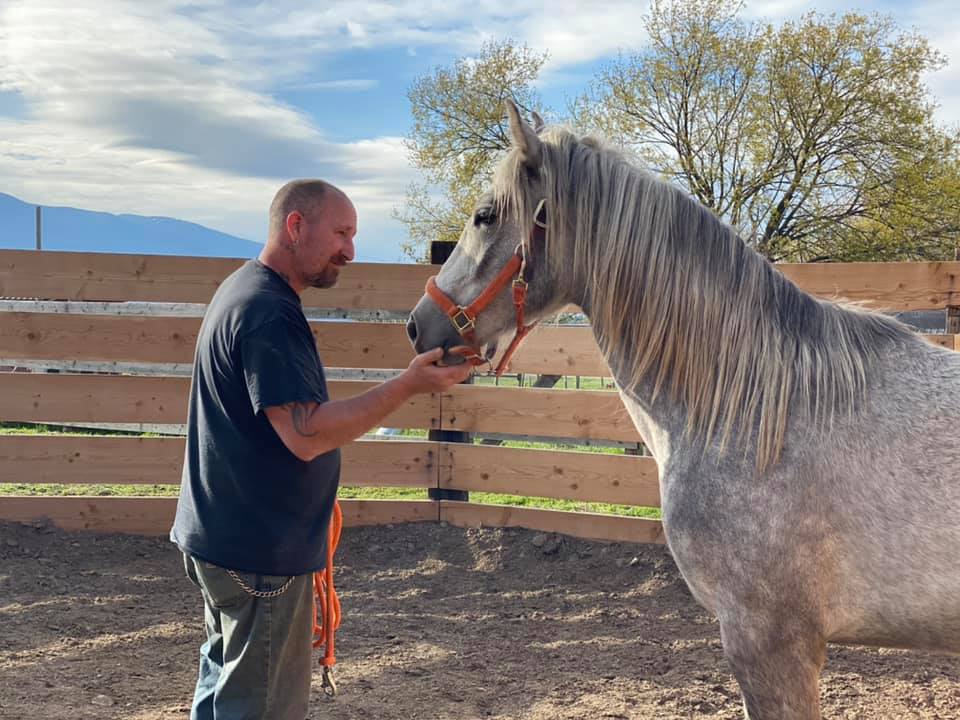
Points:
(86, 231)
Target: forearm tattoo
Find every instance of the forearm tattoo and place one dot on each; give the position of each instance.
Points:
(300, 413)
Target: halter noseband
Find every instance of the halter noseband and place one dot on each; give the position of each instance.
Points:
(464, 319)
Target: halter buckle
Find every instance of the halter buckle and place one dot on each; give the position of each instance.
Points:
(461, 321)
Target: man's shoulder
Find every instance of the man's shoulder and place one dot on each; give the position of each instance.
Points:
(253, 282)
(252, 297)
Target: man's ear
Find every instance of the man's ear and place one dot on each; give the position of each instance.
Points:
(524, 138)
(293, 226)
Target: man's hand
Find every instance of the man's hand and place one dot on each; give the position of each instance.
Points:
(423, 375)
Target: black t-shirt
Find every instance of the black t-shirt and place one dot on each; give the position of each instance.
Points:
(246, 502)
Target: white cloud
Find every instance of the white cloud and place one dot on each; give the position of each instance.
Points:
(783, 9)
(356, 31)
(572, 31)
(68, 170)
(939, 22)
(170, 117)
(575, 32)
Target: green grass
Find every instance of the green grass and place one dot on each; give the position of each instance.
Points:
(381, 493)
(565, 505)
(413, 434)
(565, 382)
(13, 428)
(559, 447)
(71, 490)
(21, 429)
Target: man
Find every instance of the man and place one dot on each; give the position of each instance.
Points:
(262, 462)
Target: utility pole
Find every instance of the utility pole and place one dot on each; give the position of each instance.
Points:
(39, 230)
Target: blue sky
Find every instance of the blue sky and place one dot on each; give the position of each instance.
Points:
(201, 110)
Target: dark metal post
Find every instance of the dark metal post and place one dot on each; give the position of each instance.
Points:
(953, 311)
(39, 230)
(953, 320)
(440, 250)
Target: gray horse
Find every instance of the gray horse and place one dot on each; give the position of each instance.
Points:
(809, 469)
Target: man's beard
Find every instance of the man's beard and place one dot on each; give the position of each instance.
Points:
(325, 279)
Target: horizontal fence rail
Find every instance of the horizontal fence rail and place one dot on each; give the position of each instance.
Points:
(59, 398)
(106, 460)
(43, 398)
(172, 279)
(124, 338)
(894, 287)
(161, 278)
(583, 477)
(580, 524)
(153, 516)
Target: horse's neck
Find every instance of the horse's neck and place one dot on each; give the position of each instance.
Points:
(660, 423)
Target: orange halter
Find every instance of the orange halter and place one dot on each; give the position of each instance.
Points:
(464, 319)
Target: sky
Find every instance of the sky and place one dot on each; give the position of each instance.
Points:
(201, 110)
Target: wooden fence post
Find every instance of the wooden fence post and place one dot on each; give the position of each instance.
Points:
(439, 252)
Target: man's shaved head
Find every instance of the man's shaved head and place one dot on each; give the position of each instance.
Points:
(312, 226)
(303, 196)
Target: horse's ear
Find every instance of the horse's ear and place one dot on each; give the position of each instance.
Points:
(538, 123)
(524, 137)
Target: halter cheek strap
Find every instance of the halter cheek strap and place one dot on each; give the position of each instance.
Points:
(464, 319)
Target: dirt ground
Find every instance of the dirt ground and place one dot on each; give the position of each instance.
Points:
(440, 622)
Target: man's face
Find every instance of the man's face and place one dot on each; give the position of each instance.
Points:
(325, 242)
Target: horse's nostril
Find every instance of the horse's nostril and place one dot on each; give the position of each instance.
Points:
(412, 329)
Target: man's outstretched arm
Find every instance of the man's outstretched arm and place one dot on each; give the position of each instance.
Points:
(309, 429)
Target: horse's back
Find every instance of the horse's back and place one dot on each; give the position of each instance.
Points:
(895, 470)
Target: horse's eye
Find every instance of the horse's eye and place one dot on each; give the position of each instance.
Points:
(484, 216)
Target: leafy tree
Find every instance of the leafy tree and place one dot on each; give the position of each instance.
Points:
(914, 217)
(815, 139)
(459, 129)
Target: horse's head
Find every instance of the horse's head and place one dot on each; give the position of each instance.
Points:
(498, 279)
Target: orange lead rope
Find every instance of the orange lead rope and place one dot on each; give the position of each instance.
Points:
(327, 606)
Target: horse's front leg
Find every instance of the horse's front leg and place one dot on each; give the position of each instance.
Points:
(777, 662)
(770, 618)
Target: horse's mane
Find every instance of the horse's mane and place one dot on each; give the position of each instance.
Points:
(676, 299)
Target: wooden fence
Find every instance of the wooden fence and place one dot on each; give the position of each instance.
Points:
(57, 331)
